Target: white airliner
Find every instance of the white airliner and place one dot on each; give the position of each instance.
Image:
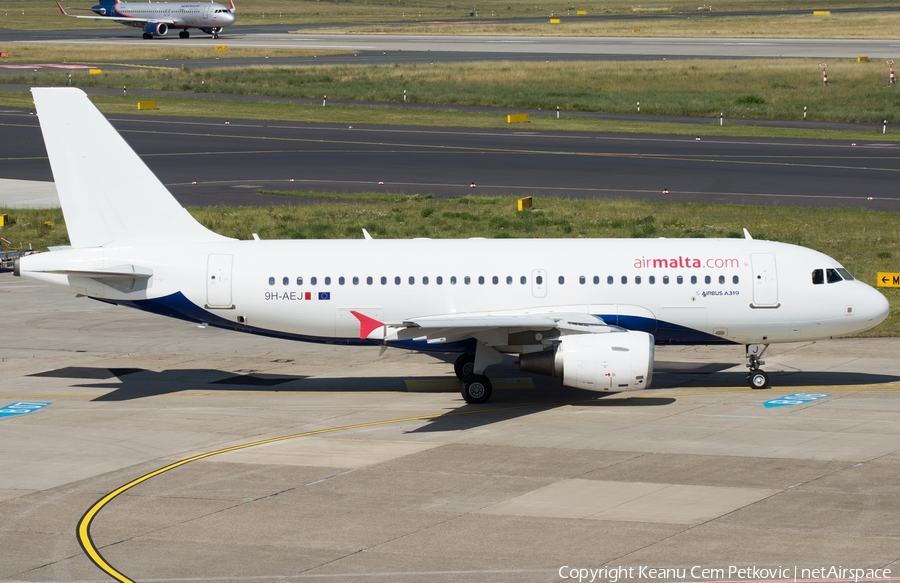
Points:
(156, 18)
(586, 310)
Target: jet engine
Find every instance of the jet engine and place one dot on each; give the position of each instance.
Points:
(615, 361)
(156, 28)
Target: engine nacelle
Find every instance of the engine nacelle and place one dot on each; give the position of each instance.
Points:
(616, 361)
(156, 28)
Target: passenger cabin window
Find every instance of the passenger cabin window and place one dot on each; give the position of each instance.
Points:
(581, 279)
(539, 279)
(721, 279)
(369, 280)
(467, 280)
(313, 281)
(341, 280)
(624, 279)
(609, 279)
(452, 280)
(285, 281)
(271, 281)
(327, 281)
(637, 279)
(439, 280)
(561, 280)
(693, 279)
(707, 279)
(397, 280)
(651, 280)
(680, 280)
(508, 280)
(425, 280)
(480, 280)
(383, 280)
(666, 279)
(412, 280)
(596, 279)
(299, 281)
(735, 279)
(495, 280)
(355, 280)
(523, 280)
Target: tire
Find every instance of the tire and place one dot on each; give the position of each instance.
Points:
(476, 389)
(184, 34)
(758, 380)
(464, 366)
(148, 36)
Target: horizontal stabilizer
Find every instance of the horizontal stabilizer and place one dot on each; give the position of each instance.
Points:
(107, 193)
(118, 272)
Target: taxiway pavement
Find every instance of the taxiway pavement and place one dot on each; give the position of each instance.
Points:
(695, 471)
(206, 162)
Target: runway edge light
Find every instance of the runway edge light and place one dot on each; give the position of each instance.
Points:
(887, 279)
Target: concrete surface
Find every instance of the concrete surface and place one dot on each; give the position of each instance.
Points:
(695, 471)
(28, 194)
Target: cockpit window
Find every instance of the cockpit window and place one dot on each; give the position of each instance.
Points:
(846, 274)
(818, 276)
(833, 276)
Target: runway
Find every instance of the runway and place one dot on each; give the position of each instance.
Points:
(373, 469)
(205, 162)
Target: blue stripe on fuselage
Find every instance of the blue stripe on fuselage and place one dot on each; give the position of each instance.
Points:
(178, 306)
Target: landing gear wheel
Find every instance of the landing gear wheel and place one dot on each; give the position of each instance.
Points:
(215, 35)
(184, 34)
(147, 36)
(758, 379)
(464, 366)
(476, 389)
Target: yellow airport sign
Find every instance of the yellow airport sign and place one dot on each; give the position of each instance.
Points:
(581, 13)
(147, 105)
(221, 47)
(517, 118)
(821, 12)
(886, 279)
(95, 71)
(526, 203)
(554, 21)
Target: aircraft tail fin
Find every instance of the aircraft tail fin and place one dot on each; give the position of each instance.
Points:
(107, 193)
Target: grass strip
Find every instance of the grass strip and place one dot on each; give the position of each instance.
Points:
(777, 89)
(227, 110)
(863, 241)
(97, 54)
(833, 26)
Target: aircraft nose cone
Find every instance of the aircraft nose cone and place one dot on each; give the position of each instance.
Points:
(879, 308)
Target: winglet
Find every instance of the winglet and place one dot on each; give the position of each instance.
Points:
(367, 235)
(747, 234)
(58, 5)
(231, 5)
(366, 324)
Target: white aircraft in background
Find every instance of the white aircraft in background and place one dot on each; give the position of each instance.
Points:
(586, 310)
(156, 18)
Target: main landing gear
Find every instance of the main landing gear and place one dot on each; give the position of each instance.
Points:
(757, 379)
(184, 34)
(475, 388)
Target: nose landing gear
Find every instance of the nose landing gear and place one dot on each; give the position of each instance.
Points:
(757, 379)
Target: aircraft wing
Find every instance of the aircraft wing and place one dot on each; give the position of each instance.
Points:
(453, 327)
(122, 19)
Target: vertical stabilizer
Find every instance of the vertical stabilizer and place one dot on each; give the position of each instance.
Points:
(107, 193)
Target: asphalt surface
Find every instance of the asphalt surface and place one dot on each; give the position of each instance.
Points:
(206, 162)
